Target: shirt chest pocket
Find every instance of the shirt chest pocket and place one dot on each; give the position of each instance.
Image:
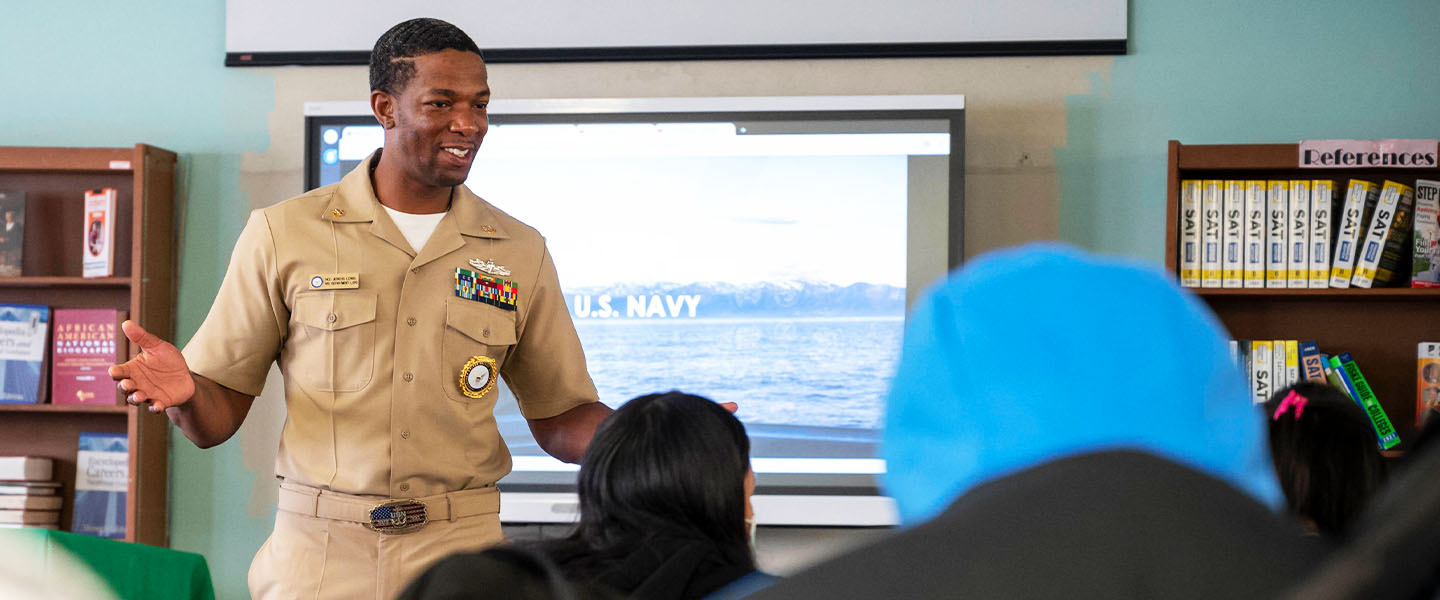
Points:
(333, 347)
(472, 330)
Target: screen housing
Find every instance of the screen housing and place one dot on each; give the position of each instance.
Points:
(835, 499)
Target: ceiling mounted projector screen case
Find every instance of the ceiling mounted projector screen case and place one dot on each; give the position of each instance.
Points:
(332, 32)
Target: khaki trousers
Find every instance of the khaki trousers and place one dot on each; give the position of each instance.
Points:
(320, 547)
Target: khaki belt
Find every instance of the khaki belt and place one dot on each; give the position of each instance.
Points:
(387, 515)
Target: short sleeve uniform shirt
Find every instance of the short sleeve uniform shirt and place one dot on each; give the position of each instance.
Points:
(373, 388)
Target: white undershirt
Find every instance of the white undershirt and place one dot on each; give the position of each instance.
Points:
(415, 228)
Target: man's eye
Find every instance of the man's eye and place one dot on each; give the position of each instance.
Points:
(439, 104)
(480, 105)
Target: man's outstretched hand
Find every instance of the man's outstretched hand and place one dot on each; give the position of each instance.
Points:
(159, 375)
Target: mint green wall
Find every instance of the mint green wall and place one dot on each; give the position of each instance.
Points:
(104, 73)
(1238, 71)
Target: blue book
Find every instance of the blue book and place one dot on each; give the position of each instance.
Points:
(102, 476)
(24, 329)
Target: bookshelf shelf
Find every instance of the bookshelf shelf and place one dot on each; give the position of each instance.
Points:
(68, 160)
(54, 181)
(64, 408)
(64, 281)
(1421, 295)
(1380, 327)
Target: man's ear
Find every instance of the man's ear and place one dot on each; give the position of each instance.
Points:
(383, 105)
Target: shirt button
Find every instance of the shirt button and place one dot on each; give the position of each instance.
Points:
(404, 487)
(331, 318)
(409, 377)
(410, 321)
(405, 435)
(485, 333)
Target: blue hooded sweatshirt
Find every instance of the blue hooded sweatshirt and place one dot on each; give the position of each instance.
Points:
(1042, 352)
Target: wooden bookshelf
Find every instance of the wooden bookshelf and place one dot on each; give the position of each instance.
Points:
(54, 181)
(1380, 327)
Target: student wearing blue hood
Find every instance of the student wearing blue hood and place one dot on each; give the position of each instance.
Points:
(1064, 425)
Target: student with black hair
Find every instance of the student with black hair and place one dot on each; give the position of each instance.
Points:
(1325, 455)
(664, 501)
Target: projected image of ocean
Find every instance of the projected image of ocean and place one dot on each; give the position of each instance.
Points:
(826, 372)
(775, 280)
(808, 363)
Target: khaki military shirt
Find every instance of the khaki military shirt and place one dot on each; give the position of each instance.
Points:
(373, 388)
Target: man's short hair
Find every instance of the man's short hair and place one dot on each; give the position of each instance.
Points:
(390, 66)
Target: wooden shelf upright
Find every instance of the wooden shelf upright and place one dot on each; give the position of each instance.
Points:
(54, 181)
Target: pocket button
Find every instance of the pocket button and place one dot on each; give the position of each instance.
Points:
(331, 318)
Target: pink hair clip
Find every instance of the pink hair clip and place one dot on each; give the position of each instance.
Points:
(1292, 399)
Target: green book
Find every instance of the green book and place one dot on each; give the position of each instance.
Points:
(1383, 429)
(1333, 375)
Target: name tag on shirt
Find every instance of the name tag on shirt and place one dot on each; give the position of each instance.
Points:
(335, 281)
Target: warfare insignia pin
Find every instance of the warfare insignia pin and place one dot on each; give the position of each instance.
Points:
(489, 267)
(337, 212)
(477, 377)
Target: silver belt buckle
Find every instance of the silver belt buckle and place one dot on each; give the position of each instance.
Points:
(397, 516)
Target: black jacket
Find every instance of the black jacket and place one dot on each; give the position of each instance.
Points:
(1107, 525)
(661, 568)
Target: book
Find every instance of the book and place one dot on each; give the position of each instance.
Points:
(1262, 360)
(1425, 254)
(1297, 275)
(99, 240)
(1233, 259)
(1366, 397)
(1253, 269)
(24, 331)
(85, 344)
(1324, 200)
(1277, 233)
(1334, 376)
(1360, 199)
(1278, 371)
(1310, 362)
(27, 502)
(1190, 233)
(30, 517)
(102, 474)
(1427, 381)
(26, 468)
(1292, 362)
(12, 232)
(29, 488)
(1211, 205)
(1380, 255)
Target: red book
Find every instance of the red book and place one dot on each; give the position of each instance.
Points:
(86, 343)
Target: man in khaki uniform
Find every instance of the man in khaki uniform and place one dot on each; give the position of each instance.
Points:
(392, 301)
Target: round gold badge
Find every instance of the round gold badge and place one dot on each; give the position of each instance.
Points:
(477, 376)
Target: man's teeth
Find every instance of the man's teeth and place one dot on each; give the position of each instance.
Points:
(458, 152)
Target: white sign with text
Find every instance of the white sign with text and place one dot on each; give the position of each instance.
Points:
(1393, 153)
